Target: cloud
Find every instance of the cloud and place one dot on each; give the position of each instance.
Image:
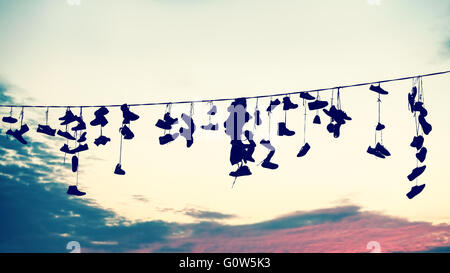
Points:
(210, 215)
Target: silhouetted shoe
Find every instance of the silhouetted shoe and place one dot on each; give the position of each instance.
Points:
(45, 129)
(380, 127)
(163, 124)
(337, 130)
(418, 107)
(417, 142)
(382, 149)
(306, 96)
(127, 114)
(18, 134)
(99, 120)
(426, 127)
(287, 104)
(258, 120)
(167, 138)
(126, 132)
(65, 149)
(73, 190)
(416, 172)
(118, 170)
(82, 137)
(378, 89)
(422, 154)
(66, 135)
(80, 148)
(102, 111)
(9, 120)
(211, 127)
(188, 133)
(266, 143)
(241, 171)
(68, 118)
(101, 140)
(330, 127)
(415, 191)
(212, 111)
(169, 119)
(283, 131)
(74, 163)
(317, 104)
(266, 162)
(80, 126)
(305, 148)
(332, 112)
(375, 152)
(273, 104)
(316, 119)
(412, 98)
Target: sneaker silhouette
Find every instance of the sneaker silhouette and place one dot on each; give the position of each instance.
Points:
(241, 171)
(422, 154)
(273, 104)
(412, 98)
(417, 142)
(99, 120)
(167, 138)
(118, 170)
(80, 126)
(101, 140)
(418, 107)
(378, 90)
(18, 134)
(212, 111)
(415, 190)
(380, 127)
(337, 130)
(375, 152)
(416, 172)
(80, 148)
(102, 111)
(316, 119)
(330, 127)
(306, 96)
(237, 151)
(187, 133)
(65, 149)
(126, 132)
(82, 137)
(45, 129)
(73, 190)
(382, 149)
(266, 162)
(317, 104)
(66, 135)
(163, 125)
(169, 119)
(127, 114)
(332, 112)
(68, 118)
(258, 120)
(283, 131)
(9, 120)
(74, 163)
(287, 104)
(426, 127)
(305, 148)
(211, 127)
(266, 143)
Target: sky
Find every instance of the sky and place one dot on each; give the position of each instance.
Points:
(174, 198)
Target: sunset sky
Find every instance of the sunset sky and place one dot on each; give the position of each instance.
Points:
(172, 198)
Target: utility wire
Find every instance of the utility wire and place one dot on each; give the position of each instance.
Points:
(227, 99)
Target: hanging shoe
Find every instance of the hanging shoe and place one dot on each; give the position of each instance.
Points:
(426, 127)
(163, 124)
(382, 149)
(211, 127)
(306, 96)
(82, 137)
(169, 119)
(127, 114)
(416, 172)
(68, 118)
(45, 129)
(80, 148)
(283, 131)
(102, 111)
(272, 105)
(167, 138)
(73, 190)
(418, 107)
(316, 119)
(118, 170)
(380, 127)
(99, 120)
(10, 120)
(266, 143)
(415, 190)
(375, 152)
(378, 90)
(18, 134)
(337, 130)
(101, 140)
(212, 111)
(287, 104)
(266, 162)
(422, 154)
(74, 163)
(305, 148)
(330, 127)
(126, 132)
(317, 104)
(66, 135)
(417, 142)
(332, 112)
(65, 149)
(80, 126)
(258, 120)
(188, 133)
(412, 98)
(241, 171)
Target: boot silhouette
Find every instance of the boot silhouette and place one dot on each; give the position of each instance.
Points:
(273, 104)
(418, 107)
(283, 131)
(422, 154)
(266, 162)
(415, 190)
(304, 150)
(426, 127)
(73, 190)
(127, 114)
(118, 170)
(417, 142)
(416, 172)
(126, 132)
(212, 111)
(287, 104)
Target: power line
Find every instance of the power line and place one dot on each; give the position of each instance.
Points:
(227, 99)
